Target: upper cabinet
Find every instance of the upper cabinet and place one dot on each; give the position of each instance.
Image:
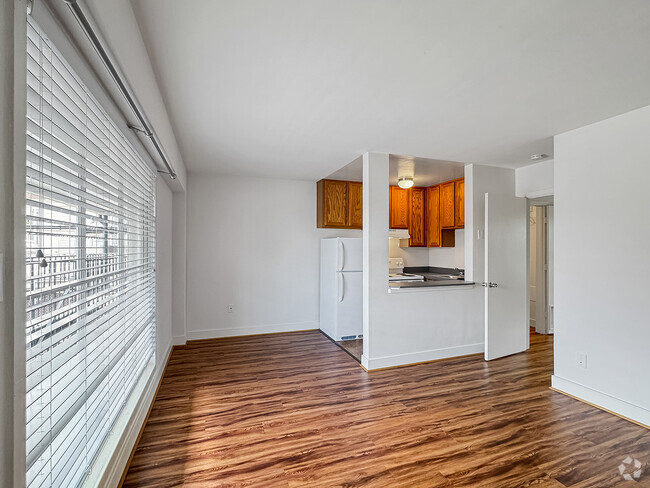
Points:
(332, 204)
(416, 217)
(399, 208)
(452, 204)
(447, 204)
(355, 205)
(430, 214)
(435, 235)
(459, 203)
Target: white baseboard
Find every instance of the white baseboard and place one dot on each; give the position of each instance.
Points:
(116, 452)
(193, 335)
(179, 340)
(420, 356)
(603, 400)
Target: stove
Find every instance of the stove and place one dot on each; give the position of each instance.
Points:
(396, 272)
(402, 277)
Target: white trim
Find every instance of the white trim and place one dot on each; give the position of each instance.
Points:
(19, 188)
(616, 405)
(114, 454)
(193, 335)
(547, 192)
(421, 356)
(364, 361)
(179, 340)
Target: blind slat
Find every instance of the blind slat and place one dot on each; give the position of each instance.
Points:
(91, 311)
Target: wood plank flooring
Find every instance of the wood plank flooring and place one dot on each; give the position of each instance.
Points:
(294, 410)
(354, 348)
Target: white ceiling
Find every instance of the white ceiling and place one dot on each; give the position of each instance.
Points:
(299, 88)
(425, 172)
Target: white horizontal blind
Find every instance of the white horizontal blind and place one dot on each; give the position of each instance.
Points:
(90, 288)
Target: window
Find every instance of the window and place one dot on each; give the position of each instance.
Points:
(90, 287)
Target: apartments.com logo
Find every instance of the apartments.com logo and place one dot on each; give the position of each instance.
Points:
(631, 469)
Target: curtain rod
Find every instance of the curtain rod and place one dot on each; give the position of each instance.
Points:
(145, 127)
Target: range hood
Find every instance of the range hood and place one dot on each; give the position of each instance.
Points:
(398, 234)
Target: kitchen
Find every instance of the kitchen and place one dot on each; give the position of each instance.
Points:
(426, 244)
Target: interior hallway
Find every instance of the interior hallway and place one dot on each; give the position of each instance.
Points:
(295, 410)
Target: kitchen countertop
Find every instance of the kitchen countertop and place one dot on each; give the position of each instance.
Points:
(433, 278)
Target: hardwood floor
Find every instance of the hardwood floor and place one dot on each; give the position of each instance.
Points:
(293, 410)
(354, 348)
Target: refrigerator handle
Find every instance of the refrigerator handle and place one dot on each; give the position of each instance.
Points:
(341, 256)
(341, 287)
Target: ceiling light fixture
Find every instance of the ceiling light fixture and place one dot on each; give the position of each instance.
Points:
(405, 182)
(537, 157)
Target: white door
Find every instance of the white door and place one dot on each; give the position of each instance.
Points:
(506, 323)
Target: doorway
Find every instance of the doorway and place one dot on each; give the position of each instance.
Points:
(540, 265)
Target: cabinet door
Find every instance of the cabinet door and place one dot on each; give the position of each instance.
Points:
(355, 204)
(399, 208)
(416, 217)
(432, 217)
(459, 203)
(332, 203)
(447, 199)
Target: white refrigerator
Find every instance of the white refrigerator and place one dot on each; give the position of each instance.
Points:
(341, 288)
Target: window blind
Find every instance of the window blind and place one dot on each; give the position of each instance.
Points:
(90, 270)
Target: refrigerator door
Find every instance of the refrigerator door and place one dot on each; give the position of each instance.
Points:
(350, 305)
(349, 254)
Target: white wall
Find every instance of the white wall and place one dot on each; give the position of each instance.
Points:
(119, 28)
(6, 242)
(179, 277)
(601, 281)
(253, 243)
(408, 327)
(480, 180)
(402, 328)
(449, 257)
(163, 269)
(535, 180)
(413, 256)
(443, 257)
(551, 268)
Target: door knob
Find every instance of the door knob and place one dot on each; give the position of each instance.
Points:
(493, 285)
(484, 284)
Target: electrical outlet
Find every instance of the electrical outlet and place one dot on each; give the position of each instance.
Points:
(230, 308)
(581, 360)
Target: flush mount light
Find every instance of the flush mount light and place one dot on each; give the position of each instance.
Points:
(405, 182)
(537, 157)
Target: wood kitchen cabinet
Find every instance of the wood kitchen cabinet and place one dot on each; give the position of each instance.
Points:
(459, 203)
(432, 217)
(430, 214)
(447, 205)
(452, 204)
(399, 208)
(339, 204)
(332, 203)
(355, 205)
(416, 217)
(435, 236)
